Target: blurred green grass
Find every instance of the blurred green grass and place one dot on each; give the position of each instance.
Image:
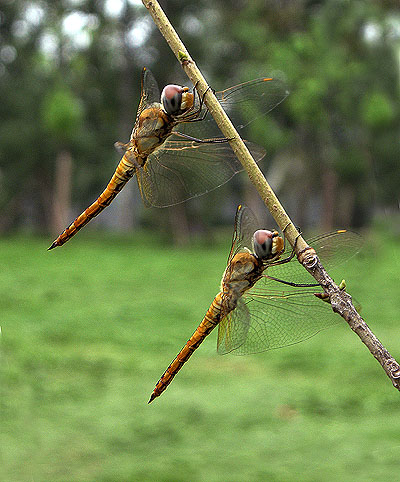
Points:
(88, 329)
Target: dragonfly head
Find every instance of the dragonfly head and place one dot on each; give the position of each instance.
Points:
(176, 99)
(267, 245)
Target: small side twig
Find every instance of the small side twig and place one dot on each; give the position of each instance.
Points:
(340, 300)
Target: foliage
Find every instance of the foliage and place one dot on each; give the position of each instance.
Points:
(377, 111)
(62, 114)
(87, 332)
(339, 60)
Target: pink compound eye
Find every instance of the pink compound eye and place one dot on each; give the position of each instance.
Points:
(262, 243)
(171, 98)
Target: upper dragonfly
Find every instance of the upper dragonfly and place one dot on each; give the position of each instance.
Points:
(267, 299)
(174, 155)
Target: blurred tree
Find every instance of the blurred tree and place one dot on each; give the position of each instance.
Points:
(70, 80)
(339, 58)
(62, 118)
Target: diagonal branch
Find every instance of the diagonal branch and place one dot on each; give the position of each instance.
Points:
(226, 126)
(340, 300)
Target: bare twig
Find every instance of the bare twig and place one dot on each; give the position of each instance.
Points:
(342, 304)
(340, 300)
(226, 126)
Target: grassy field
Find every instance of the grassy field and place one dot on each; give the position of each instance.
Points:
(88, 329)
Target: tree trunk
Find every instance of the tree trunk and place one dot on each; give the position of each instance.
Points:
(61, 206)
(329, 194)
(345, 205)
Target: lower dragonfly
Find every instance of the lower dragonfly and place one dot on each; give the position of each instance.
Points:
(266, 300)
(173, 150)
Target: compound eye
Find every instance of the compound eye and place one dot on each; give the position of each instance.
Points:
(262, 243)
(171, 99)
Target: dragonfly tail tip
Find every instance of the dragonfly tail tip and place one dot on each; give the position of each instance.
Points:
(54, 245)
(153, 396)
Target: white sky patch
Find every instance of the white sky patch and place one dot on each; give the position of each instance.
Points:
(113, 8)
(20, 28)
(34, 14)
(136, 3)
(77, 27)
(372, 32)
(73, 23)
(49, 44)
(139, 32)
(8, 54)
(192, 25)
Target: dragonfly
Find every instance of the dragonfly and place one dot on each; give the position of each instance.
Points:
(267, 299)
(173, 151)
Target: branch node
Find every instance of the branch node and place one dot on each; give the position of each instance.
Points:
(183, 57)
(394, 368)
(308, 258)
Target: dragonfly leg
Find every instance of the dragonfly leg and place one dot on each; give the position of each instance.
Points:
(297, 285)
(203, 141)
(192, 115)
(293, 252)
(287, 260)
(284, 260)
(288, 224)
(201, 99)
(121, 147)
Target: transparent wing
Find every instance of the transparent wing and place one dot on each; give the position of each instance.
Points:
(272, 314)
(244, 103)
(181, 170)
(245, 225)
(233, 329)
(277, 319)
(247, 101)
(333, 249)
(150, 92)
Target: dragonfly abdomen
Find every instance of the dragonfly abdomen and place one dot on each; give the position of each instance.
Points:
(209, 322)
(124, 171)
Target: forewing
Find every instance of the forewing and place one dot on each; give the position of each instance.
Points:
(150, 92)
(247, 101)
(282, 318)
(243, 103)
(245, 225)
(233, 329)
(181, 170)
(333, 249)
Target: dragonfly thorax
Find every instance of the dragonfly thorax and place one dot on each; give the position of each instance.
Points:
(152, 128)
(241, 274)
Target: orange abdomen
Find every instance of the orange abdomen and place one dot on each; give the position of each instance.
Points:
(124, 171)
(210, 321)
